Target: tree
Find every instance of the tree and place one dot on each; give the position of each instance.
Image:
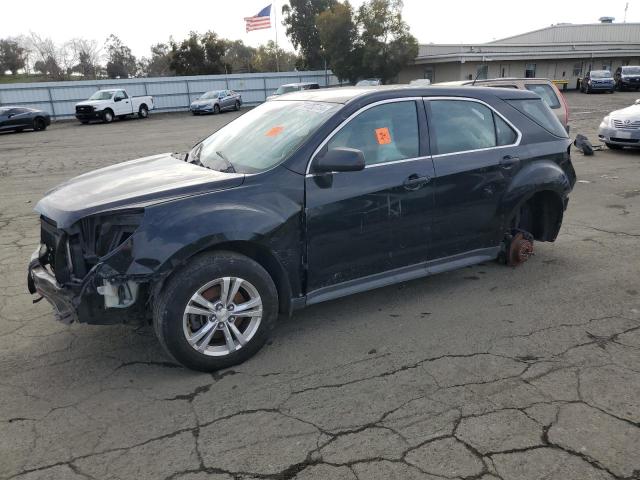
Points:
(265, 58)
(387, 45)
(198, 54)
(300, 20)
(159, 65)
(12, 56)
(121, 62)
(339, 39)
(87, 56)
(238, 57)
(50, 59)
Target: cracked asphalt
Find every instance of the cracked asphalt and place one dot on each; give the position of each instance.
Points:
(484, 373)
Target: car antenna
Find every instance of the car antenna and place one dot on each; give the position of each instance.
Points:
(474, 80)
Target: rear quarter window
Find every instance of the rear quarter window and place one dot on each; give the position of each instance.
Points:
(545, 92)
(538, 111)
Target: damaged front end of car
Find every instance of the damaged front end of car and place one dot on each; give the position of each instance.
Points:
(84, 270)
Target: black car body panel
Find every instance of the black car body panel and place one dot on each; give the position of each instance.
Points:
(319, 235)
(20, 118)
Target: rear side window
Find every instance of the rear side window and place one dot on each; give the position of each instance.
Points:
(384, 133)
(545, 92)
(460, 126)
(538, 111)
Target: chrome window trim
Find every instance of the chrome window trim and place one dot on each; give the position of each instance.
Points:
(466, 99)
(351, 117)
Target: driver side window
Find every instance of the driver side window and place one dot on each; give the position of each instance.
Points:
(384, 133)
(120, 96)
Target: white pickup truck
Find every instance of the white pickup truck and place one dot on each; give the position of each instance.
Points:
(106, 105)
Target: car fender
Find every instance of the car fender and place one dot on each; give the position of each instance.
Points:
(538, 176)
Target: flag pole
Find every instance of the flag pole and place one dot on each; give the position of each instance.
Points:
(275, 25)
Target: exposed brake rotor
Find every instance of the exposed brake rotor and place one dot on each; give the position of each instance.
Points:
(520, 248)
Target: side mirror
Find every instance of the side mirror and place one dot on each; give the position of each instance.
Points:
(340, 159)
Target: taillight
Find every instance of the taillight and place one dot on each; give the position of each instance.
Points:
(566, 108)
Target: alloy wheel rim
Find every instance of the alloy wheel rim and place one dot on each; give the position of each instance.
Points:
(222, 316)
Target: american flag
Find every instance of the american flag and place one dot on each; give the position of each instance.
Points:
(260, 21)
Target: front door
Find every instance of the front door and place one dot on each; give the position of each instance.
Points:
(475, 156)
(374, 220)
(122, 103)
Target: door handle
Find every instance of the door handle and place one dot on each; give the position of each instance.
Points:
(509, 161)
(414, 182)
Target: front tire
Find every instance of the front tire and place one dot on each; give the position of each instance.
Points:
(613, 146)
(107, 116)
(216, 312)
(143, 112)
(237, 106)
(216, 109)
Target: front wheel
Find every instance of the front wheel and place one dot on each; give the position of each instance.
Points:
(216, 108)
(613, 146)
(143, 112)
(237, 106)
(107, 116)
(216, 312)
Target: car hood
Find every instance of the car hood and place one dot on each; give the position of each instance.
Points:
(204, 102)
(629, 113)
(136, 183)
(92, 102)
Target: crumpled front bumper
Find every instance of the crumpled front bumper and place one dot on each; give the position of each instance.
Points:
(40, 280)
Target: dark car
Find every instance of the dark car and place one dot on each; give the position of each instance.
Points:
(598, 81)
(23, 118)
(627, 78)
(304, 199)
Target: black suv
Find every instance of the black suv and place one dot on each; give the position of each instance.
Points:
(312, 197)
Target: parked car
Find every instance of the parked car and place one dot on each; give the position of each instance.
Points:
(621, 128)
(627, 78)
(544, 87)
(106, 105)
(597, 81)
(304, 199)
(293, 87)
(420, 82)
(23, 118)
(216, 101)
(369, 82)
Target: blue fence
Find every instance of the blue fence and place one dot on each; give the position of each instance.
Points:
(169, 93)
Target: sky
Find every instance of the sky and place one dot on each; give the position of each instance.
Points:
(141, 23)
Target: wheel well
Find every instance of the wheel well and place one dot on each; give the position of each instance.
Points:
(259, 254)
(107, 110)
(143, 105)
(540, 215)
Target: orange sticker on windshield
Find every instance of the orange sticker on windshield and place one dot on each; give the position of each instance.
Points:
(274, 131)
(383, 136)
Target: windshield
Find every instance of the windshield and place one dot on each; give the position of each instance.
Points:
(213, 94)
(262, 137)
(601, 74)
(286, 89)
(631, 71)
(102, 95)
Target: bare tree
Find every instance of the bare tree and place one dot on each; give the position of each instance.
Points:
(87, 55)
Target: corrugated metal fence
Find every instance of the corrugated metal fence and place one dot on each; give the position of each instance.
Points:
(169, 93)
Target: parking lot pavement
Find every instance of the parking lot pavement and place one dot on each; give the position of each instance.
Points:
(486, 372)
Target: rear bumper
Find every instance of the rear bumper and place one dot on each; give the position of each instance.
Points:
(629, 138)
(602, 86)
(40, 280)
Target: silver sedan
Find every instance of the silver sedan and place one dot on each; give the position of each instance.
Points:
(216, 101)
(621, 128)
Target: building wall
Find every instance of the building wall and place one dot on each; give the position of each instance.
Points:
(553, 69)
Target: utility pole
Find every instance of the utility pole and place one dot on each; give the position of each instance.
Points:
(626, 7)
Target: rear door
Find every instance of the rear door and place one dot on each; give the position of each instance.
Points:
(374, 220)
(475, 154)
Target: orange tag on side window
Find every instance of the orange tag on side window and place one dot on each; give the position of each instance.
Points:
(383, 136)
(274, 131)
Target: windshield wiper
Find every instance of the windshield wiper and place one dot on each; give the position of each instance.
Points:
(230, 168)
